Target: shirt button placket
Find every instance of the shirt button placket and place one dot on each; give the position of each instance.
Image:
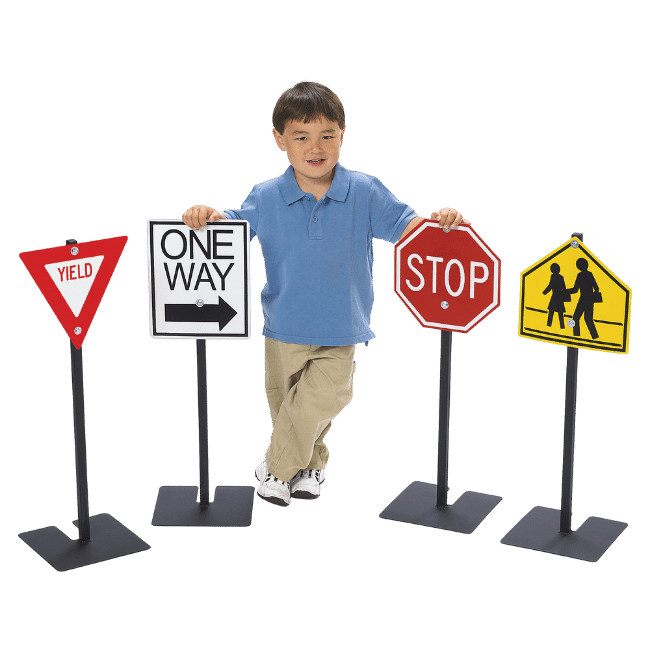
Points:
(315, 230)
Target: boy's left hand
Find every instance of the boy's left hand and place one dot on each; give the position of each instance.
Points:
(449, 218)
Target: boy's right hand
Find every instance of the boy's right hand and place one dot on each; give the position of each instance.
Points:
(198, 215)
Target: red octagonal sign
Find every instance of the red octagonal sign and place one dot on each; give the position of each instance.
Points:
(448, 280)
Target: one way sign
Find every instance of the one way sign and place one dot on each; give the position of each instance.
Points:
(199, 280)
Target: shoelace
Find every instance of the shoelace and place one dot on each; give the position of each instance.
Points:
(270, 476)
(308, 472)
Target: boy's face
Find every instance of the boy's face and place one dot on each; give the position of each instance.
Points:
(313, 148)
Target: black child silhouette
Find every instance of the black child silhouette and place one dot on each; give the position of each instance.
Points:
(586, 284)
(558, 296)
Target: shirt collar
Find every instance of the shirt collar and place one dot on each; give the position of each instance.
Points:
(337, 191)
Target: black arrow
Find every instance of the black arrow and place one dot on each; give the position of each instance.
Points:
(221, 313)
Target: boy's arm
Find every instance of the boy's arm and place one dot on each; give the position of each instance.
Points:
(447, 217)
(198, 215)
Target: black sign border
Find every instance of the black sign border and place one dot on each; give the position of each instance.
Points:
(200, 335)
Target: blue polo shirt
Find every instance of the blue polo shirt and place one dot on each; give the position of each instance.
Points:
(318, 255)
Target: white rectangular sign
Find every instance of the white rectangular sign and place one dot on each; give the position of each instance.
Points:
(199, 280)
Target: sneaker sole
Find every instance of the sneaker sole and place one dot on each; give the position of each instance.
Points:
(274, 500)
(300, 494)
(304, 495)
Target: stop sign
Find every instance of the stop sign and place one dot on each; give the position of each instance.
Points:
(448, 280)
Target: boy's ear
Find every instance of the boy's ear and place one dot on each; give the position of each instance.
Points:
(279, 140)
(342, 132)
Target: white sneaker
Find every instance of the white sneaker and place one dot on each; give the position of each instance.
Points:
(271, 488)
(306, 483)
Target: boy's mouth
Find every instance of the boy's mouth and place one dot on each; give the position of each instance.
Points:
(316, 162)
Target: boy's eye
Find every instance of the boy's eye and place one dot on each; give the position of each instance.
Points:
(302, 138)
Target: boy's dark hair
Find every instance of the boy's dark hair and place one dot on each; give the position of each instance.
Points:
(305, 102)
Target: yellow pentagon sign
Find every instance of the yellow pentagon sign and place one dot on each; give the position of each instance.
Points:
(571, 298)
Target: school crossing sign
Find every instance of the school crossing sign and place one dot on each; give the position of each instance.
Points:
(571, 298)
(199, 280)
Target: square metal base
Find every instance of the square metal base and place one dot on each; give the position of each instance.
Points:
(108, 539)
(417, 505)
(178, 506)
(539, 531)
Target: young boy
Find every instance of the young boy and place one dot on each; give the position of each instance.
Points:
(315, 224)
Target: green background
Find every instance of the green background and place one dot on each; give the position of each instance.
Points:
(529, 119)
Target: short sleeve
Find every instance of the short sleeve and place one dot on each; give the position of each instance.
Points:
(388, 215)
(248, 212)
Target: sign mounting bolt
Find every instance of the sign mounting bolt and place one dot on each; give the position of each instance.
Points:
(575, 244)
(74, 250)
(571, 323)
(444, 304)
(77, 330)
(199, 303)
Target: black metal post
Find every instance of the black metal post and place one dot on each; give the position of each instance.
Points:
(203, 422)
(443, 420)
(80, 443)
(177, 506)
(569, 438)
(569, 432)
(415, 504)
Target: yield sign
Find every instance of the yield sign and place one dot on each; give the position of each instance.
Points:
(73, 279)
(571, 298)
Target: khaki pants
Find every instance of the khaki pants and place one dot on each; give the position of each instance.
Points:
(307, 386)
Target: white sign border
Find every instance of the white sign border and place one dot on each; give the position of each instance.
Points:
(416, 313)
(244, 225)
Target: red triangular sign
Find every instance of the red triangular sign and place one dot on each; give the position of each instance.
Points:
(73, 279)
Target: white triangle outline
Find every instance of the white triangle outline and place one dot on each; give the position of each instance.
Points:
(74, 279)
